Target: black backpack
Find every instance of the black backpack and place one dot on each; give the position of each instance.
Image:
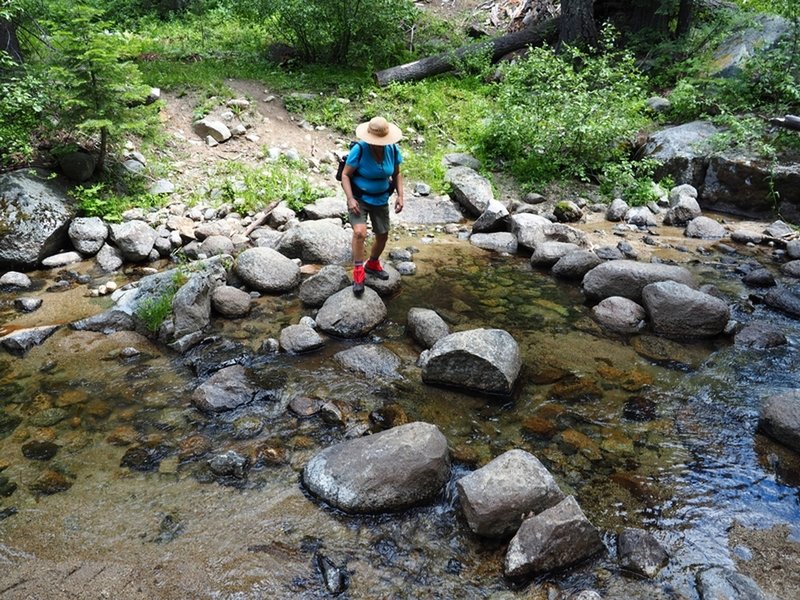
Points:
(342, 162)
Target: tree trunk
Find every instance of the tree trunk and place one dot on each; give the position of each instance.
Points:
(8, 40)
(684, 18)
(577, 23)
(447, 61)
(646, 14)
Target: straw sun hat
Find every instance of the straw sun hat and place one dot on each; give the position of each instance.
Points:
(379, 132)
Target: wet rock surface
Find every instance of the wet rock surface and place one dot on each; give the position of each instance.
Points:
(639, 552)
(348, 316)
(370, 360)
(391, 470)
(780, 418)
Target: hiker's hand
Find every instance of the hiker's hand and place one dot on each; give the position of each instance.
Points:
(352, 206)
(398, 204)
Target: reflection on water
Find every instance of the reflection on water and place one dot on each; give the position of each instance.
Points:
(639, 444)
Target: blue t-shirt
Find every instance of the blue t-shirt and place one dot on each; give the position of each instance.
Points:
(371, 177)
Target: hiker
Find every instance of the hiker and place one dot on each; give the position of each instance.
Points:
(371, 175)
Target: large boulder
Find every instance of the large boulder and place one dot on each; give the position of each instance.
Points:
(482, 360)
(676, 310)
(627, 278)
(682, 151)
(779, 418)
(349, 316)
(35, 213)
(88, 234)
(227, 389)
(191, 306)
(547, 254)
(332, 207)
(323, 241)
(318, 288)
(575, 265)
(471, 190)
(760, 34)
(529, 229)
(496, 497)
(620, 315)
(387, 471)
(501, 241)
(783, 299)
(723, 583)
(558, 537)
(134, 239)
(494, 218)
(385, 287)
(426, 326)
(705, 228)
(266, 270)
(429, 211)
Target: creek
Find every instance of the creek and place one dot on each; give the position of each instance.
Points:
(644, 432)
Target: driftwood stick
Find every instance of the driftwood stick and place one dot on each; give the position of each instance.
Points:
(262, 219)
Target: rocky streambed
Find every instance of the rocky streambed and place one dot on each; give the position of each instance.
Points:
(178, 463)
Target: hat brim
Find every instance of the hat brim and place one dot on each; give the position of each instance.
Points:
(392, 137)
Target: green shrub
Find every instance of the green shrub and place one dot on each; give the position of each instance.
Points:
(568, 115)
(339, 31)
(22, 100)
(154, 311)
(631, 181)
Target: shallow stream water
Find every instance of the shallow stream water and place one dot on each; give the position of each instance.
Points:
(643, 431)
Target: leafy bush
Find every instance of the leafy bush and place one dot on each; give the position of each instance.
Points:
(339, 31)
(22, 99)
(566, 116)
(631, 181)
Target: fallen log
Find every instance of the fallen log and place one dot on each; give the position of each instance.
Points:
(447, 61)
(789, 122)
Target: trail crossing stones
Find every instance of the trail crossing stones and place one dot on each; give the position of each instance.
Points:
(482, 360)
(318, 288)
(496, 497)
(266, 270)
(387, 471)
(426, 326)
(61, 260)
(349, 316)
(494, 218)
(385, 287)
(779, 418)
(332, 207)
(471, 190)
(676, 310)
(558, 537)
(88, 234)
(529, 229)
(323, 241)
(547, 254)
(627, 278)
(109, 258)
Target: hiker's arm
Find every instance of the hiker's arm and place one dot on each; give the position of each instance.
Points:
(352, 203)
(398, 180)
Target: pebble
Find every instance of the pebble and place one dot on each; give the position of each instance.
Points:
(39, 450)
(49, 417)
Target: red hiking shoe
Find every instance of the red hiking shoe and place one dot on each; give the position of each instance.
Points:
(374, 268)
(358, 280)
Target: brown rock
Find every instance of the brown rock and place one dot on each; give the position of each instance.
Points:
(581, 443)
(50, 482)
(539, 426)
(193, 447)
(123, 435)
(304, 406)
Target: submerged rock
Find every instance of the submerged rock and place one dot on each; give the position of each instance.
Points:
(779, 418)
(390, 470)
(784, 300)
(760, 335)
(229, 464)
(426, 326)
(39, 450)
(558, 537)
(226, 389)
(483, 360)
(640, 552)
(496, 497)
(676, 310)
(50, 482)
(20, 342)
(721, 582)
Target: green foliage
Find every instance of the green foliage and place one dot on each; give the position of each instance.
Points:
(21, 105)
(631, 181)
(252, 188)
(566, 115)
(154, 311)
(93, 88)
(111, 197)
(322, 109)
(339, 31)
